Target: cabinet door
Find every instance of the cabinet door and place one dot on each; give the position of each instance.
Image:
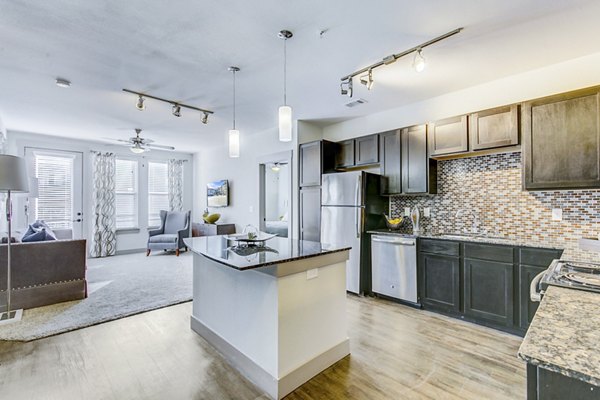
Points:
(310, 164)
(345, 154)
(449, 136)
(366, 150)
(488, 291)
(310, 213)
(440, 283)
(389, 152)
(497, 127)
(418, 172)
(561, 141)
(527, 308)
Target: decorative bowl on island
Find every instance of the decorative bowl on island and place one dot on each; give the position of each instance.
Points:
(211, 218)
(393, 223)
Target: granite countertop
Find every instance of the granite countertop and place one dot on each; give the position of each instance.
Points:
(275, 251)
(564, 335)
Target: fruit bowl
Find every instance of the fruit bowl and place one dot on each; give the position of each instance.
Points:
(393, 223)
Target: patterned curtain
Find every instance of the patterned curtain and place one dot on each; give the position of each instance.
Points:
(176, 185)
(104, 235)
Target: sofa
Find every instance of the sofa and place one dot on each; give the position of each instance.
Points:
(44, 273)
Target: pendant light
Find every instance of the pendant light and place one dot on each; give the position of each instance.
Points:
(285, 111)
(234, 134)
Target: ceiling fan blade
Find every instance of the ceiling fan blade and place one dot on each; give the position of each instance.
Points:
(147, 141)
(158, 146)
(116, 140)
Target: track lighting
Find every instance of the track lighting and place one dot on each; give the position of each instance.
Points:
(419, 61)
(285, 111)
(367, 79)
(176, 106)
(140, 103)
(346, 87)
(176, 110)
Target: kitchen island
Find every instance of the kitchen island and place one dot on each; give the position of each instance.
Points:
(277, 312)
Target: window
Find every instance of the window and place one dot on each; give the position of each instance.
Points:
(158, 191)
(126, 193)
(55, 190)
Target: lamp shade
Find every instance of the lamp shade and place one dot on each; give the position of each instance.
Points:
(285, 123)
(33, 188)
(234, 143)
(13, 174)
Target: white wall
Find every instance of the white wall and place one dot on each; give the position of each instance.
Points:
(126, 240)
(563, 77)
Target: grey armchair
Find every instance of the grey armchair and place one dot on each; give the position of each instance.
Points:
(174, 226)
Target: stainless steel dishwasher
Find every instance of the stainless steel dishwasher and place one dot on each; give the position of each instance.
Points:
(394, 266)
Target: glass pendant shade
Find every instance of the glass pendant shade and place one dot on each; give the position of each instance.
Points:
(285, 124)
(234, 143)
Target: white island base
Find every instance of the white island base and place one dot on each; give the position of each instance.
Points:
(278, 325)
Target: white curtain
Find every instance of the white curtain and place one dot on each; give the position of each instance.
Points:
(175, 172)
(104, 235)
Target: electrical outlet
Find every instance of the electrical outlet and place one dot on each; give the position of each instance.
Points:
(312, 273)
(406, 211)
(557, 214)
(251, 209)
(427, 212)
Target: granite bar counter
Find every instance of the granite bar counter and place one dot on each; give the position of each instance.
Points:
(276, 312)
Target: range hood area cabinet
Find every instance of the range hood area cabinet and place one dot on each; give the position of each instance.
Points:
(357, 152)
(561, 141)
(404, 162)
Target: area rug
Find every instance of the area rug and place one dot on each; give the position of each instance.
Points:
(118, 287)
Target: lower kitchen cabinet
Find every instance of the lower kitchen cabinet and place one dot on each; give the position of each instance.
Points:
(440, 283)
(488, 291)
(543, 384)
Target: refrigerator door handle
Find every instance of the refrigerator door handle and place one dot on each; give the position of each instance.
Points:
(357, 215)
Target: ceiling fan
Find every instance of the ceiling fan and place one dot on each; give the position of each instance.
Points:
(139, 144)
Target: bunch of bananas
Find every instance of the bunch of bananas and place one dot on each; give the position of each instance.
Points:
(394, 221)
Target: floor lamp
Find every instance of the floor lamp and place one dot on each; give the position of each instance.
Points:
(13, 179)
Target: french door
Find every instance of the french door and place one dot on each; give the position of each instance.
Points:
(60, 188)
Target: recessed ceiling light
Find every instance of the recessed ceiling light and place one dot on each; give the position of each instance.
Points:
(60, 82)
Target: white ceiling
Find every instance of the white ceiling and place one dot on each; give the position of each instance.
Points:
(181, 51)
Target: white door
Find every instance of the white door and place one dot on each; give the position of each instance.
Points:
(60, 188)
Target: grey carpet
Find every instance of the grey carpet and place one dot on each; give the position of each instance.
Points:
(117, 287)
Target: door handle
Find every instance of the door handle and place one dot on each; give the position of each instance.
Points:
(77, 220)
(396, 242)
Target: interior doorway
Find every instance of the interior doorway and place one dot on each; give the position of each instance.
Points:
(275, 188)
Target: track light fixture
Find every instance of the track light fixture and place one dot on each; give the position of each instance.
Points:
(367, 79)
(418, 63)
(176, 110)
(346, 87)
(176, 106)
(140, 103)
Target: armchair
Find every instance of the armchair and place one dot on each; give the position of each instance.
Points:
(174, 227)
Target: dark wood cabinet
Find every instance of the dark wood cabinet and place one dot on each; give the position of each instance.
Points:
(366, 150)
(315, 158)
(447, 136)
(419, 172)
(543, 384)
(497, 127)
(310, 213)
(488, 291)
(391, 162)
(561, 141)
(201, 229)
(345, 154)
(440, 282)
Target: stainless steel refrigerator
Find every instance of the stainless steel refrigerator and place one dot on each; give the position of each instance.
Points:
(351, 205)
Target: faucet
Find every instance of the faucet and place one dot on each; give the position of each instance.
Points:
(476, 223)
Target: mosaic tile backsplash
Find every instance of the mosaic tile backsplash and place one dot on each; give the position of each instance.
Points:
(490, 186)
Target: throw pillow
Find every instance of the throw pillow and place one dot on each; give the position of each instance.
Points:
(37, 235)
(40, 223)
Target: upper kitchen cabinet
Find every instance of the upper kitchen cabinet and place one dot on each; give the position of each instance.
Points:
(419, 172)
(316, 158)
(498, 127)
(366, 150)
(448, 136)
(561, 141)
(344, 156)
(390, 162)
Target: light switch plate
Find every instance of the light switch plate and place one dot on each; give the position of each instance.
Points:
(427, 212)
(557, 214)
(312, 273)
(251, 209)
(406, 211)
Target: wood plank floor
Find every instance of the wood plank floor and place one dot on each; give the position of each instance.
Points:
(397, 353)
